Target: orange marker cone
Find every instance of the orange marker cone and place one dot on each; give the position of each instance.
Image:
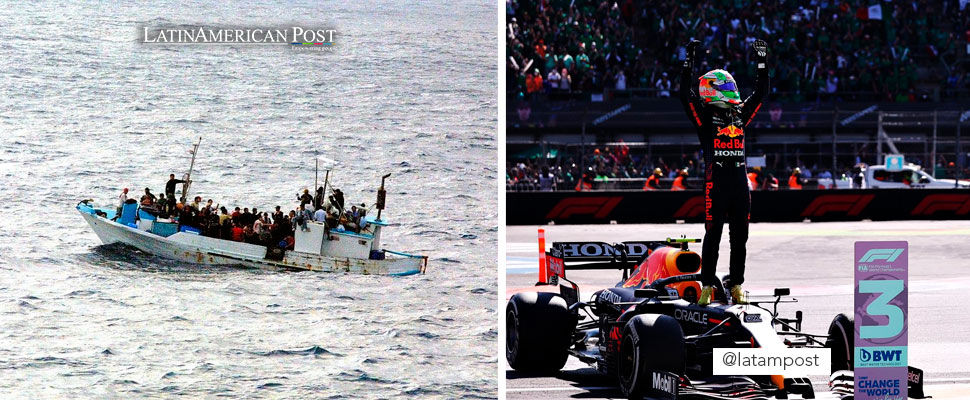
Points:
(543, 272)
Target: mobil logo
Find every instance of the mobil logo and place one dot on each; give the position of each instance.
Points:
(666, 383)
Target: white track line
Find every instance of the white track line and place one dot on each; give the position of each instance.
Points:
(948, 379)
(563, 389)
(594, 388)
(819, 395)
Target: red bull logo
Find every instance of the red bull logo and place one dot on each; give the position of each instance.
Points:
(729, 144)
(707, 200)
(730, 131)
(555, 266)
(706, 87)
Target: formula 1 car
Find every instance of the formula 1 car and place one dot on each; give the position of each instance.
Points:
(648, 330)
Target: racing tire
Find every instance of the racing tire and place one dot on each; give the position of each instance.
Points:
(538, 331)
(841, 339)
(649, 342)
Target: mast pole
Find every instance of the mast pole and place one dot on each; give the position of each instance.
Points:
(188, 177)
(381, 197)
(326, 179)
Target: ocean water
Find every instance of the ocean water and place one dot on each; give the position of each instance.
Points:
(409, 89)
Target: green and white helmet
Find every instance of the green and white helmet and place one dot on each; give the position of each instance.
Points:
(718, 89)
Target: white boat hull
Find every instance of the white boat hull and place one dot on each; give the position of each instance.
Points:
(196, 249)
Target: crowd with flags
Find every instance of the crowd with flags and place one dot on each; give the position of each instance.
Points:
(891, 51)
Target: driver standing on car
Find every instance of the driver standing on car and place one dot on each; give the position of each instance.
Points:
(720, 118)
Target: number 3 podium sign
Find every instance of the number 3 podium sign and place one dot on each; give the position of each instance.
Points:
(881, 334)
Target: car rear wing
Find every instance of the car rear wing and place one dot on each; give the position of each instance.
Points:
(624, 256)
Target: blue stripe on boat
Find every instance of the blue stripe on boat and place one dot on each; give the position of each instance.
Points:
(406, 273)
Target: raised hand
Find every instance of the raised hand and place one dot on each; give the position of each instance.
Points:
(692, 47)
(691, 52)
(761, 48)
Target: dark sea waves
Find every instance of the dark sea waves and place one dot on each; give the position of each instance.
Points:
(409, 90)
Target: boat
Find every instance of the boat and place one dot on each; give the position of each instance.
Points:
(315, 247)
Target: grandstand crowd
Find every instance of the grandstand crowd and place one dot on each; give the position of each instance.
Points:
(605, 164)
(898, 51)
(620, 167)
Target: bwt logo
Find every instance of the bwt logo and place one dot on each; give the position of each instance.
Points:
(881, 355)
(889, 255)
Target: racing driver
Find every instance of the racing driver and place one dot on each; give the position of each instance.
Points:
(720, 118)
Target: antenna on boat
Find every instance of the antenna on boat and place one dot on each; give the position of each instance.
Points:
(188, 176)
(381, 197)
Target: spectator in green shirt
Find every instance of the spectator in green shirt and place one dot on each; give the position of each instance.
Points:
(582, 61)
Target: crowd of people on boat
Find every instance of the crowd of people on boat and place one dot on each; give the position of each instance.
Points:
(276, 228)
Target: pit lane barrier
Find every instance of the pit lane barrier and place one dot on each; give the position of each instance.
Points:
(539, 208)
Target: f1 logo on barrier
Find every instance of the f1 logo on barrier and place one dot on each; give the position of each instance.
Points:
(959, 204)
(691, 208)
(850, 204)
(598, 207)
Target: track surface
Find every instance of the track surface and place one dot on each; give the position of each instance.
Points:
(815, 261)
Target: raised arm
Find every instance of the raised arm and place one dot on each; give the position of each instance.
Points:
(688, 97)
(761, 88)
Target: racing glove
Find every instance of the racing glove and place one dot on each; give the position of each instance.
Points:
(761, 53)
(691, 51)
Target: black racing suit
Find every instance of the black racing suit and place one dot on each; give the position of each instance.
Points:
(726, 195)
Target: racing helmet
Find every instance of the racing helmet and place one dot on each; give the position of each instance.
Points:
(717, 88)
